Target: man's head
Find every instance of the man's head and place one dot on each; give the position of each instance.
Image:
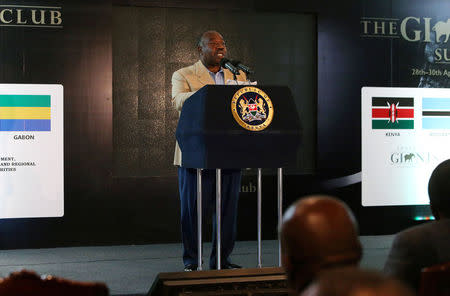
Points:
(355, 282)
(212, 50)
(317, 232)
(439, 190)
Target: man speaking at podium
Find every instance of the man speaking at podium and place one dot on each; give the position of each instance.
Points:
(185, 82)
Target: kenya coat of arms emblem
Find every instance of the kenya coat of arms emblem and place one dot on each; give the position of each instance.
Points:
(252, 108)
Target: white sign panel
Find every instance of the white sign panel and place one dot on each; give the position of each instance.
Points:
(405, 135)
(31, 150)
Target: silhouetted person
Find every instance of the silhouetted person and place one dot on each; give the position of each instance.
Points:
(427, 244)
(356, 282)
(317, 233)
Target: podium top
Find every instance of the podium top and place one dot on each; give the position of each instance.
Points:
(238, 127)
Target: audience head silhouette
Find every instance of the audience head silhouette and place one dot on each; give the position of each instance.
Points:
(356, 282)
(317, 232)
(439, 190)
(29, 283)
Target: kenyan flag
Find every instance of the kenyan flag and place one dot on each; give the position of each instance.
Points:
(392, 113)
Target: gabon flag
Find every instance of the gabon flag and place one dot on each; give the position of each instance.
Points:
(25, 112)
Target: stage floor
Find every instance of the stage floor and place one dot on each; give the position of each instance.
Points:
(131, 269)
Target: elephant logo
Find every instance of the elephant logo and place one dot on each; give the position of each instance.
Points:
(442, 29)
(409, 157)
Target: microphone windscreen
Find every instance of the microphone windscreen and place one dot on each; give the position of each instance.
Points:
(223, 62)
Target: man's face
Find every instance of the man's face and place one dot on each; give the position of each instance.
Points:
(213, 49)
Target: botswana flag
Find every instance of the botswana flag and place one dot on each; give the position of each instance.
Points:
(436, 113)
(392, 113)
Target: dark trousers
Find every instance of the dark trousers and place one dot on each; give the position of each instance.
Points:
(187, 180)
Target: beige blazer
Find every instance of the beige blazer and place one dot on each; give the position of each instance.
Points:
(185, 82)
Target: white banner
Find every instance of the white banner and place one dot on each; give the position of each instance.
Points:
(31, 150)
(405, 135)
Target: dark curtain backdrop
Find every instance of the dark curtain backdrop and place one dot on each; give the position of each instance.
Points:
(115, 59)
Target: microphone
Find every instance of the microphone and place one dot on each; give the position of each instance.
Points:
(243, 67)
(226, 63)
